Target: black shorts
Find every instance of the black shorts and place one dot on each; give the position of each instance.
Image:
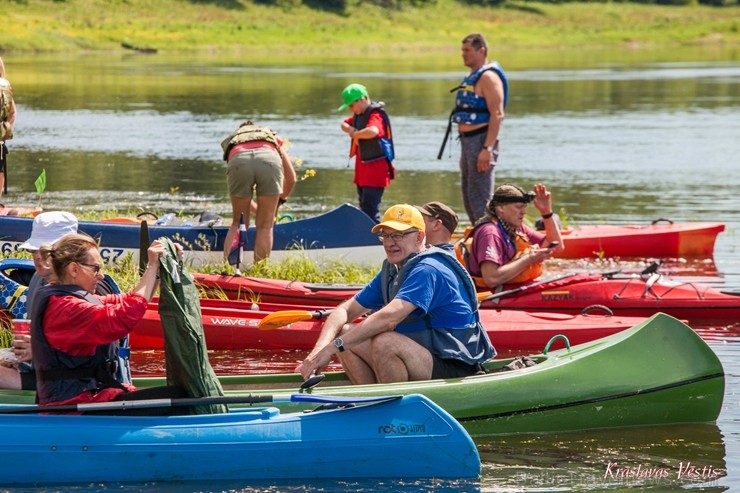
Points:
(28, 380)
(451, 368)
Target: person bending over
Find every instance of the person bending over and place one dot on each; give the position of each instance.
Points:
(257, 164)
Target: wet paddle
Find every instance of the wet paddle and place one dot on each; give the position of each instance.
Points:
(282, 318)
(193, 401)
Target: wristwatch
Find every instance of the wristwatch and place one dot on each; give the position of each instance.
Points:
(490, 149)
(339, 344)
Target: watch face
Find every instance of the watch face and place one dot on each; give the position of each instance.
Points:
(339, 344)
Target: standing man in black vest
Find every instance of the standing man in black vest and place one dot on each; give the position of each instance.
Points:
(372, 146)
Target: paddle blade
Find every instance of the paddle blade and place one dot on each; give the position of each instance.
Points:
(482, 295)
(279, 319)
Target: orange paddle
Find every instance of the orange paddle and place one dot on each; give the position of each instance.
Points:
(282, 318)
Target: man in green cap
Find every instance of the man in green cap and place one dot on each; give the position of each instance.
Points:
(372, 146)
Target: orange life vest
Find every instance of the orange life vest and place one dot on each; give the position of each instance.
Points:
(464, 245)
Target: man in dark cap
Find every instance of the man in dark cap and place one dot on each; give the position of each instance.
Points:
(440, 221)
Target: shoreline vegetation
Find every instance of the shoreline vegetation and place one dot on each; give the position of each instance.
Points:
(353, 28)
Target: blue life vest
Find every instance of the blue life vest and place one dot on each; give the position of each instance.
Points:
(469, 344)
(469, 107)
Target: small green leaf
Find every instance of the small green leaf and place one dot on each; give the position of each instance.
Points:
(41, 182)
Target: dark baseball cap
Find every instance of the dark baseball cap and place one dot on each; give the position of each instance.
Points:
(440, 211)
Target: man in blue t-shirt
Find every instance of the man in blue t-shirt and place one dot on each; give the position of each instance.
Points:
(422, 312)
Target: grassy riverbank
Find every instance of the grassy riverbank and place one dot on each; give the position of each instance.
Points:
(245, 27)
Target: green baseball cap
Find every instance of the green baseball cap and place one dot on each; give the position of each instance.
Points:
(352, 93)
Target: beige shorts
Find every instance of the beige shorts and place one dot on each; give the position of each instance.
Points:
(255, 170)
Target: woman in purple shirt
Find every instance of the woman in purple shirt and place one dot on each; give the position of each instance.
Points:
(503, 249)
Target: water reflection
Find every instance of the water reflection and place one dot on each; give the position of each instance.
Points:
(255, 486)
(662, 456)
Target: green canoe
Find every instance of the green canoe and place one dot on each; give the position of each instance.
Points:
(658, 372)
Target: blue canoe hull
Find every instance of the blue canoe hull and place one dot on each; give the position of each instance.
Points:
(409, 437)
(342, 232)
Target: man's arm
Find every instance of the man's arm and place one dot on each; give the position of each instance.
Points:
(384, 320)
(346, 312)
(492, 89)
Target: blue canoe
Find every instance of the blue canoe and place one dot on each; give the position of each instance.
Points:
(404, 437)
(343, 232)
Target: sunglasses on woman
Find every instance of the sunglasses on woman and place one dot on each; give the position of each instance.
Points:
(96, 268)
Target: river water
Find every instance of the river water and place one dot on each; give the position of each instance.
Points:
(619, 137)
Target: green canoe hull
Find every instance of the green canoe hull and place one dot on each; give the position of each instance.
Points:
(658, 372)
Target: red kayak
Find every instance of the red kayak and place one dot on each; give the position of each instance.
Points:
(636, 296)
(279, 291)
(658, 240)
(233, 325)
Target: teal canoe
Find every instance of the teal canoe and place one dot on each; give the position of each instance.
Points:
(657, 372)
(404, 437)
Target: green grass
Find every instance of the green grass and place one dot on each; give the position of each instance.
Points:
(298, 267)
(6, 333)
(260, 30)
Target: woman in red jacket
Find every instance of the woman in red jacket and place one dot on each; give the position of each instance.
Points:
(74, 333)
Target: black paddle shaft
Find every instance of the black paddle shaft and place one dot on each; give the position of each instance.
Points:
(143, 247)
